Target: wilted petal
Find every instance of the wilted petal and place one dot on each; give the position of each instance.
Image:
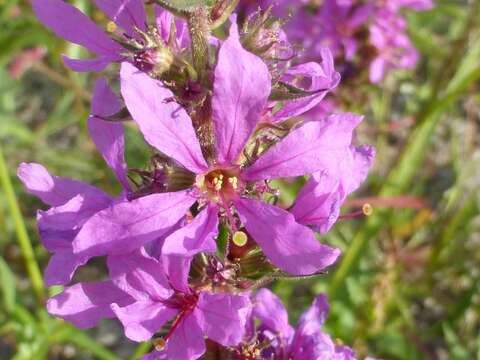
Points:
(317, 145)
(108, 136)
(223, 317)
(127, 14)
(272, 314)
(140, 275)
(54, 190)
(126, 226)
(240, 92)
(197, 236)
(290, 246)
(186, 342)
(163, 122)
(71, 24)
(85, 304)
(141, 320)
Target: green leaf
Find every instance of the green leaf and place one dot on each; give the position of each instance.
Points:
(7, 285)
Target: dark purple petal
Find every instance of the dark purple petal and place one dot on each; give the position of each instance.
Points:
(127, 225)
(142, 319)
(71, 24)
(163, 122)
(317, 145)
(85, 304)
(127, 14)
(223, 317)
(187, 342)
(240, 92)
(54, 190)
(290, 246)
(272, 314)
(108, 136)
(197, 236)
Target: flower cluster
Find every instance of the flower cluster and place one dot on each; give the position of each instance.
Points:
(196, 231)
(361, 34)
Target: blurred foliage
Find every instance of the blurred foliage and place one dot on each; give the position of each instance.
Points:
(407, 286)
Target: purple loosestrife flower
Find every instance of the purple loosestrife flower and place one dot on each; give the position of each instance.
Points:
(72, 202)
(142, 45)
(146, 293)
(275, 338)
(393, 47)
(226, 186)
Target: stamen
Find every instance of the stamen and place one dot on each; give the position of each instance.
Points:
(111, 26)
(240, 239)
(367, 210)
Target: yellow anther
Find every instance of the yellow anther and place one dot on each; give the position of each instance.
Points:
(159, 344)
(367, 209)
(240, 238)
(233, 181)
(111, 26)
(220, 176)
(218, 182)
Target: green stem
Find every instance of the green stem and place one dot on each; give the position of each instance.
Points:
(22, 235)
(141, 350)
(199, 29)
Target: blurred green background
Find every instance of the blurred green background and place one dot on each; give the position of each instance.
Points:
(407, 286)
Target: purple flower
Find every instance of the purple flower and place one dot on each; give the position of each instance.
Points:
(281, 341)
(72, 202)
(197, 313)
(225, 187)
(317, 78)
(393, 47)
(136, 42)
(145, 294)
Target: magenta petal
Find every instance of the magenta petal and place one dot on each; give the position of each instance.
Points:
(71, 24)
(316, 315)
(85, 304)
(163, 122)
(127, 14)
(315, 146)
(241, 89)
(187, 342)
(177, 270)
(272, 314)
(290, 246)
(140, 275)
(126, 226)
(54, 190)
(61, 267)
(108, 136)
(223, 317)
(319, 202)
(197, 236)
(87, 65)
(141, 320)
(323, 78)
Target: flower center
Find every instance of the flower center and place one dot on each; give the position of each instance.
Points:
(220, 185)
